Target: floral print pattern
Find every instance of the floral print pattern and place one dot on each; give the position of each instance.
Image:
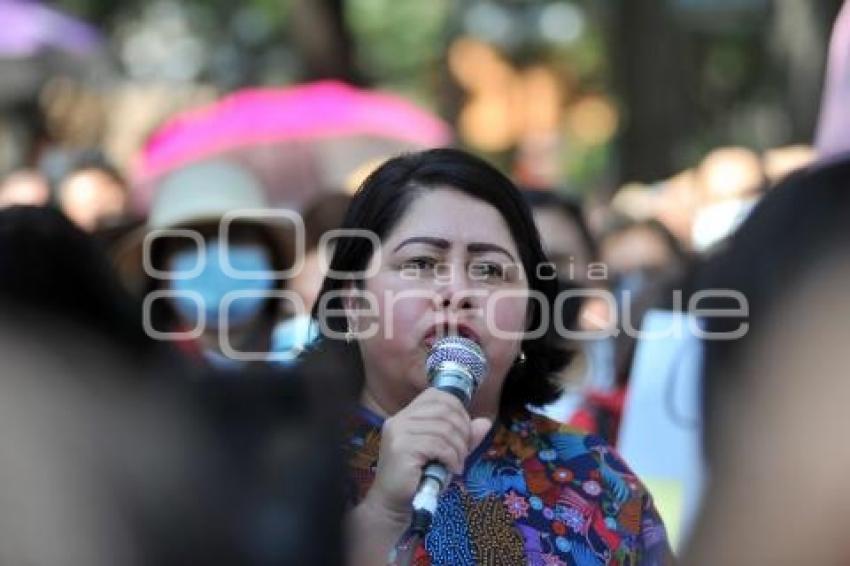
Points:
(534, 492)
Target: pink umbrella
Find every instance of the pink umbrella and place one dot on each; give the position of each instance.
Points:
(298, 140)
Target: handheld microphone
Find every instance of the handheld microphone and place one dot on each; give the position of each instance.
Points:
(455, 365)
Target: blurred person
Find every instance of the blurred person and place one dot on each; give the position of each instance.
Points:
(572, 250)
(796, 235)
(568, 244)
(601, 410)
(96, 470)
(772, 397)
(566, 238)
(788, 260)
(66, 436)
(51, 266)
(324, 214)
(93, 194)
(632, 247)
(776, 429)
(780, 162)
(24, 187)
(676, 205)
(197, 274)
(292, 335)
(637, 255)
(786, 234)
(731, 181)
(646, 267)
(635, 201)
(524, 490)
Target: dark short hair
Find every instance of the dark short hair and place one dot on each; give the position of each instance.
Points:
(799, 226)
(381, 202)
(623, 225)
(48, 264)
(570, 209)
(325, 213)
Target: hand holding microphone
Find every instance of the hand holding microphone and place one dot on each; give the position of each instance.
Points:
(432, 435)
(456, 366)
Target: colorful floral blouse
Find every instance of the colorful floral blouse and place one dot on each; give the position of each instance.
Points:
(534, 493)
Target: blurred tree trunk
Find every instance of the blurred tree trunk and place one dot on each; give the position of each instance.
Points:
(322, 40)
(649, 73)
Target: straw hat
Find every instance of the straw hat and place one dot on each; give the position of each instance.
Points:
(203, 194)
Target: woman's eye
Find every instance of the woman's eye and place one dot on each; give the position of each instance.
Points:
(418, 264)
(486, 271)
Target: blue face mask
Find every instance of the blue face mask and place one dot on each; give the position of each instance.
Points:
(213, 284)
(290, 337)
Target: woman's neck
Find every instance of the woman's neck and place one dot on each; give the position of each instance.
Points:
(369, 401)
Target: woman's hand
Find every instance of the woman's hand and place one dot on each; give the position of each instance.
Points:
(434, 426)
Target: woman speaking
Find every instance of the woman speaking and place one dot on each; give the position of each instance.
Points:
(440, 243)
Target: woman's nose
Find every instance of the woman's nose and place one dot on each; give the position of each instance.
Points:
(455, 290)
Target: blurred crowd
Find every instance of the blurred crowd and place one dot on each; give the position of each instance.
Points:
(131, 368)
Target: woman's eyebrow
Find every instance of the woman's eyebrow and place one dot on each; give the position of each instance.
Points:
(482, 247)
(443, 244)
(440, 243)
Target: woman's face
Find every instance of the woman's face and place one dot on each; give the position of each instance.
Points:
(213, 285)
(450, 266)
(563, 243)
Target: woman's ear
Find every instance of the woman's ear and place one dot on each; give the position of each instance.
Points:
(352, 303)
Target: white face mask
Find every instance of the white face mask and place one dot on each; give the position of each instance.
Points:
(716, 221)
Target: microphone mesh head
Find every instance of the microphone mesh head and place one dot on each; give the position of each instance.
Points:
(459, 350)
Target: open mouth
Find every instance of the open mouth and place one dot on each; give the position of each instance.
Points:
(442, 330)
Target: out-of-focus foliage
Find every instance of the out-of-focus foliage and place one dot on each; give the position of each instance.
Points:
(398, 42)
(678, 77)
(228, 44)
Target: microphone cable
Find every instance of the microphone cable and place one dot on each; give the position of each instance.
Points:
(404, 550)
